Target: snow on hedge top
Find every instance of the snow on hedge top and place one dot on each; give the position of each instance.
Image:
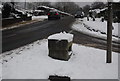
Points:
(62, 36)
(1, 8)
(23, 12)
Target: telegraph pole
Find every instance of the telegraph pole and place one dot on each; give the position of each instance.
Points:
(25, 5)
(109, 33)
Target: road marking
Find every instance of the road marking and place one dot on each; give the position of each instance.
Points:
(70, 31)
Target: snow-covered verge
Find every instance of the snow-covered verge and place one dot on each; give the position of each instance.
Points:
(34, 19)
(96, 28)
(32, 62)
(16, 25)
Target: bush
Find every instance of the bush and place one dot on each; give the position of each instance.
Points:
(6, 10)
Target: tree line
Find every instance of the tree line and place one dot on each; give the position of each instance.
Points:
(69, 7)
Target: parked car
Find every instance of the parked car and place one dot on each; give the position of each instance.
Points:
(53, 15)
(79, 14)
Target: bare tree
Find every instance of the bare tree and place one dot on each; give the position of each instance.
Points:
(98, 5)
(69, 7)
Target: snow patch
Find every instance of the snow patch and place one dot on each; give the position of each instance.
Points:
(39, 17)
(22, 11)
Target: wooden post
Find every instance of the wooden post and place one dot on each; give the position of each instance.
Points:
(109, 34)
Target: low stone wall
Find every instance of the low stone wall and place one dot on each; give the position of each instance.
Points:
(27, 18)
(10, 21)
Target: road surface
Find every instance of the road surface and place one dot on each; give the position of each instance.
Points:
(26, 34)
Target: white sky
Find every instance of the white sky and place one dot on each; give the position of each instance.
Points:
(59, 0)
(53, 0)
(86, 2)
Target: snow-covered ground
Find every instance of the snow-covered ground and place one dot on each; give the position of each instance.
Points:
(32, 62)
(39, 17)
(96, 28)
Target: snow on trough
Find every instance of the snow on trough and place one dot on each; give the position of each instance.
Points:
(62, 36)
(32, 62)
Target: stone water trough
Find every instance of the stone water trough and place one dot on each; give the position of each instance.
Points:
(60, 46)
